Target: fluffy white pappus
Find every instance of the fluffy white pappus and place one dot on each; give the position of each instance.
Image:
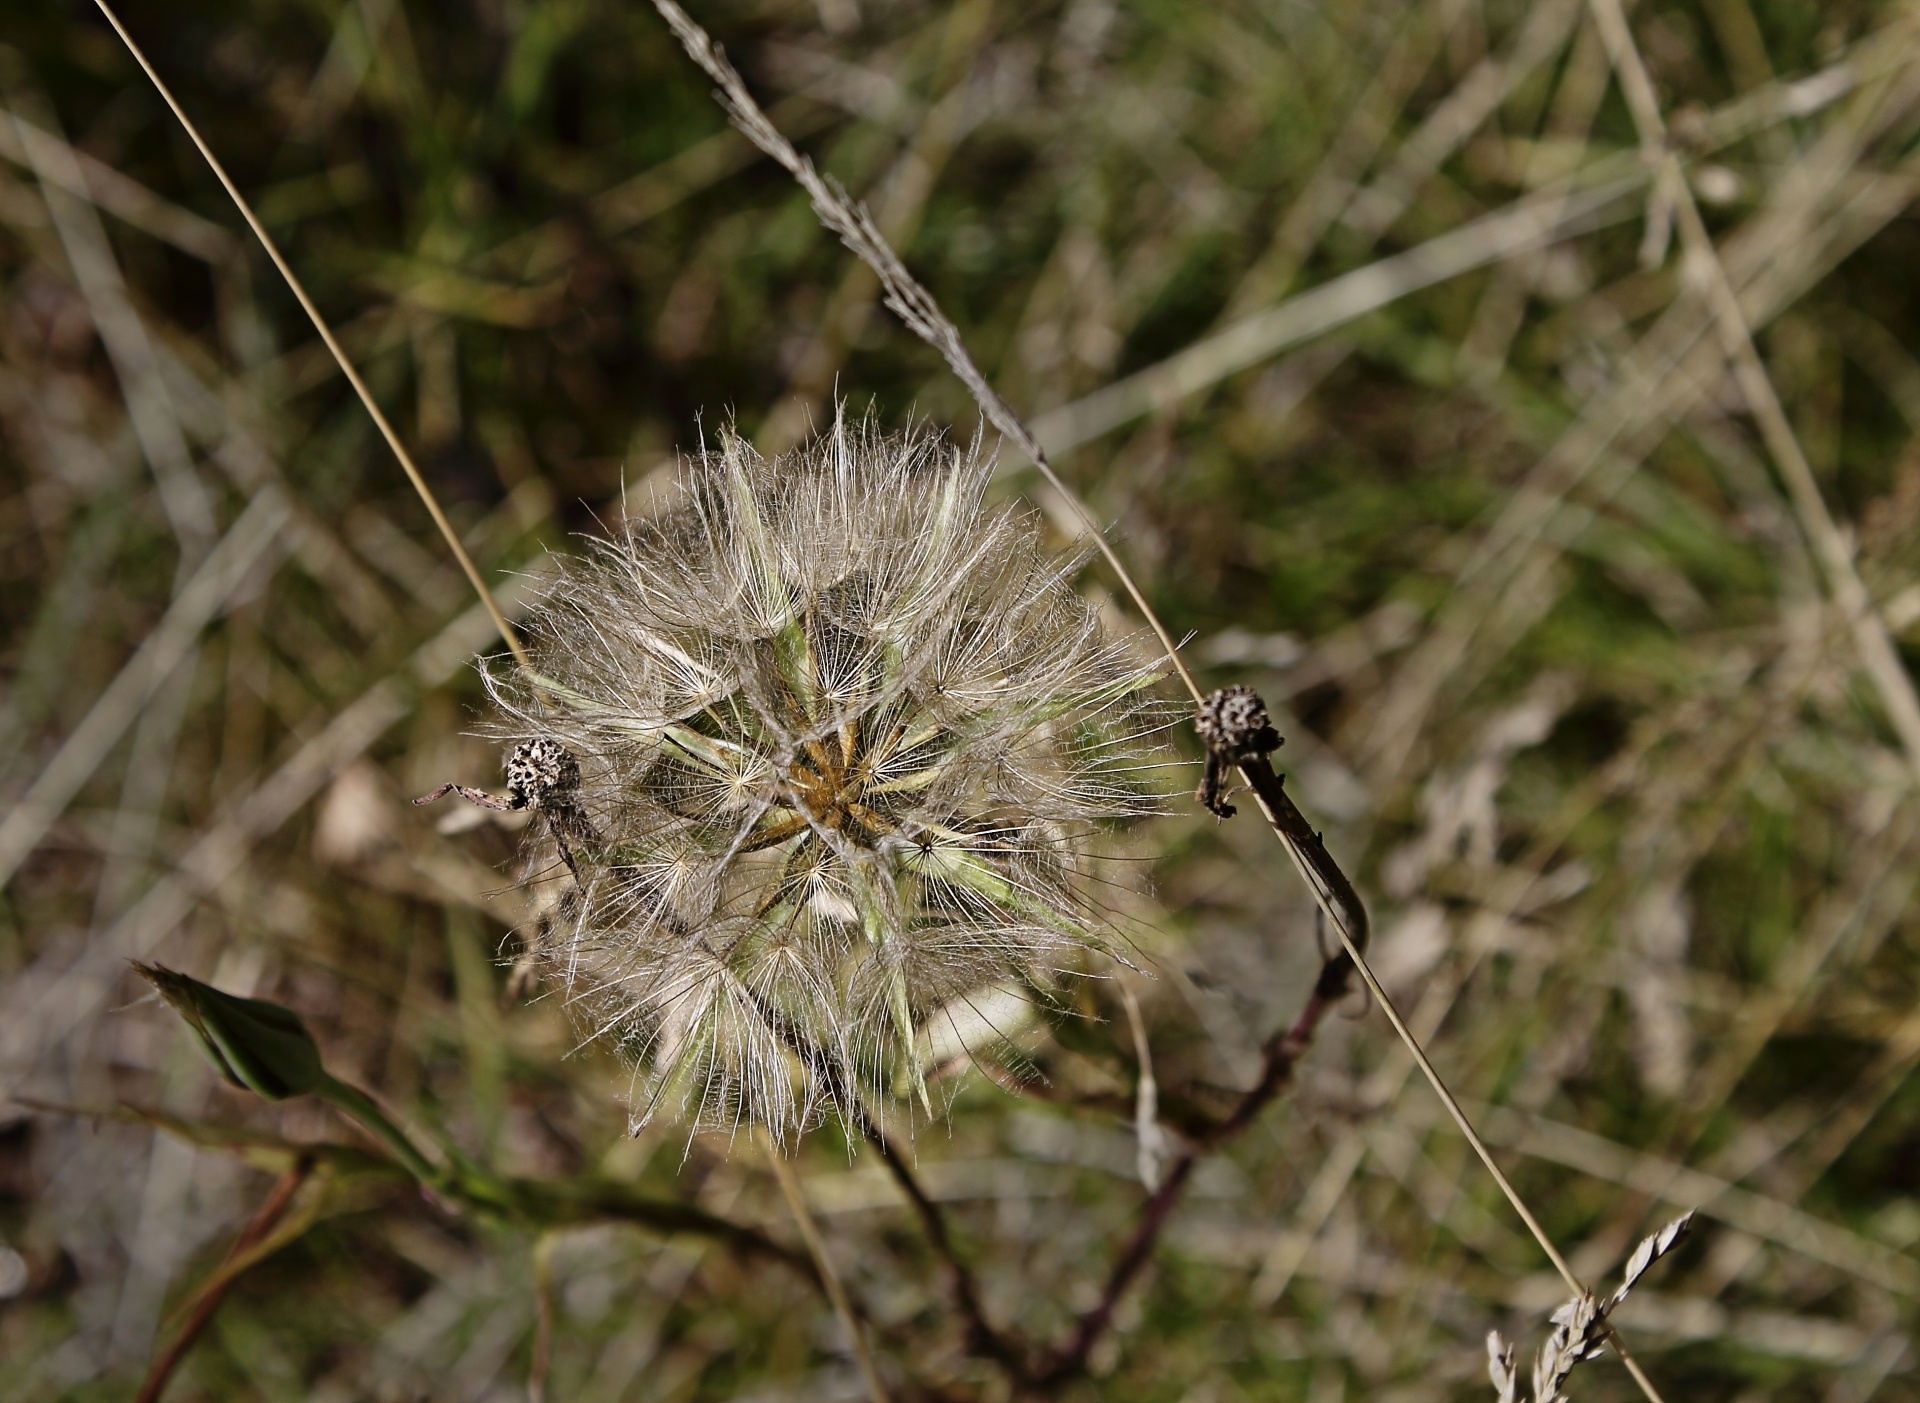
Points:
(847, 743)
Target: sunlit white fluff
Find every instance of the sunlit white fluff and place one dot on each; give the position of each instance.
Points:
(845, 736)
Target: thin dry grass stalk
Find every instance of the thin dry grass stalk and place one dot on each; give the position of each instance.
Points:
(1241, 738)
(796, 1197)
(1836, 556)
(294, 285)
(909, 300)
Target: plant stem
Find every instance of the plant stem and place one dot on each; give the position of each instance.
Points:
(412, 470)
(360, 1107)
(1283, 1053)
(1314, 863)
(829, 1278)
(981, 1333)
(262, 1221)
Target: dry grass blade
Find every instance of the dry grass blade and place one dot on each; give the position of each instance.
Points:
(796, 1196)
(45, 1003)
(202, 597)
(188, 506)
(1596, 196)
(1531, 223)
(1882, 663)
(414, 476)
(90, 178)
(1580, 1327)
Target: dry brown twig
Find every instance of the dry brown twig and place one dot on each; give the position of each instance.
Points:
(210, 1296)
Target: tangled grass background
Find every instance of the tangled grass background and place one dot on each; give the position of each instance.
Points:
(1384, 338)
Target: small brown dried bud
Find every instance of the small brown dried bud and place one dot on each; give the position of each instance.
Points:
(539, 771)
(1234, 724)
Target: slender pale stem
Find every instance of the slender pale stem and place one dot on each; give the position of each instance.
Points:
(542, 1317)
(412, 470)
(829, 1278)
(1326, 882)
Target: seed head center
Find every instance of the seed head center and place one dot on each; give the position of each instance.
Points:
(829, 781)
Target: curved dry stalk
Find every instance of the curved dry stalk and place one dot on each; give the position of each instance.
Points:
(414, 476)
(1332, 891)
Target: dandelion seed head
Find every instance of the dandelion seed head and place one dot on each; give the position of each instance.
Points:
(835, 742)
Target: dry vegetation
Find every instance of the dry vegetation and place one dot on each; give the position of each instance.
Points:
(1402, 344)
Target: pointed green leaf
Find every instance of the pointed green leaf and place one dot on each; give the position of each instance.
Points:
(259, 1046)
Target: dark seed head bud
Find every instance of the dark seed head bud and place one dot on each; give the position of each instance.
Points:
(540, 772)
(1233, 722)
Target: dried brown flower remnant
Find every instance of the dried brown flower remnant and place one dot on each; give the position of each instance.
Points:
(1234, 725)
(844, 735)
(542, 775)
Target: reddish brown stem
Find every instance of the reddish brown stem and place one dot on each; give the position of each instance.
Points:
(982, 1337)
(1283, 1053)
(262, 1223)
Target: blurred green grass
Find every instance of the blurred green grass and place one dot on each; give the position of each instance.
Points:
(1639, 836)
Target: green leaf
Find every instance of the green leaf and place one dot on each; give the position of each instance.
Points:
(259, 1046)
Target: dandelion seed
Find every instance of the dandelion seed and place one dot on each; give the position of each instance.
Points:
(844, 738)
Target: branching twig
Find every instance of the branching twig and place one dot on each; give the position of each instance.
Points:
(1282, 1054)
(981, 1334)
